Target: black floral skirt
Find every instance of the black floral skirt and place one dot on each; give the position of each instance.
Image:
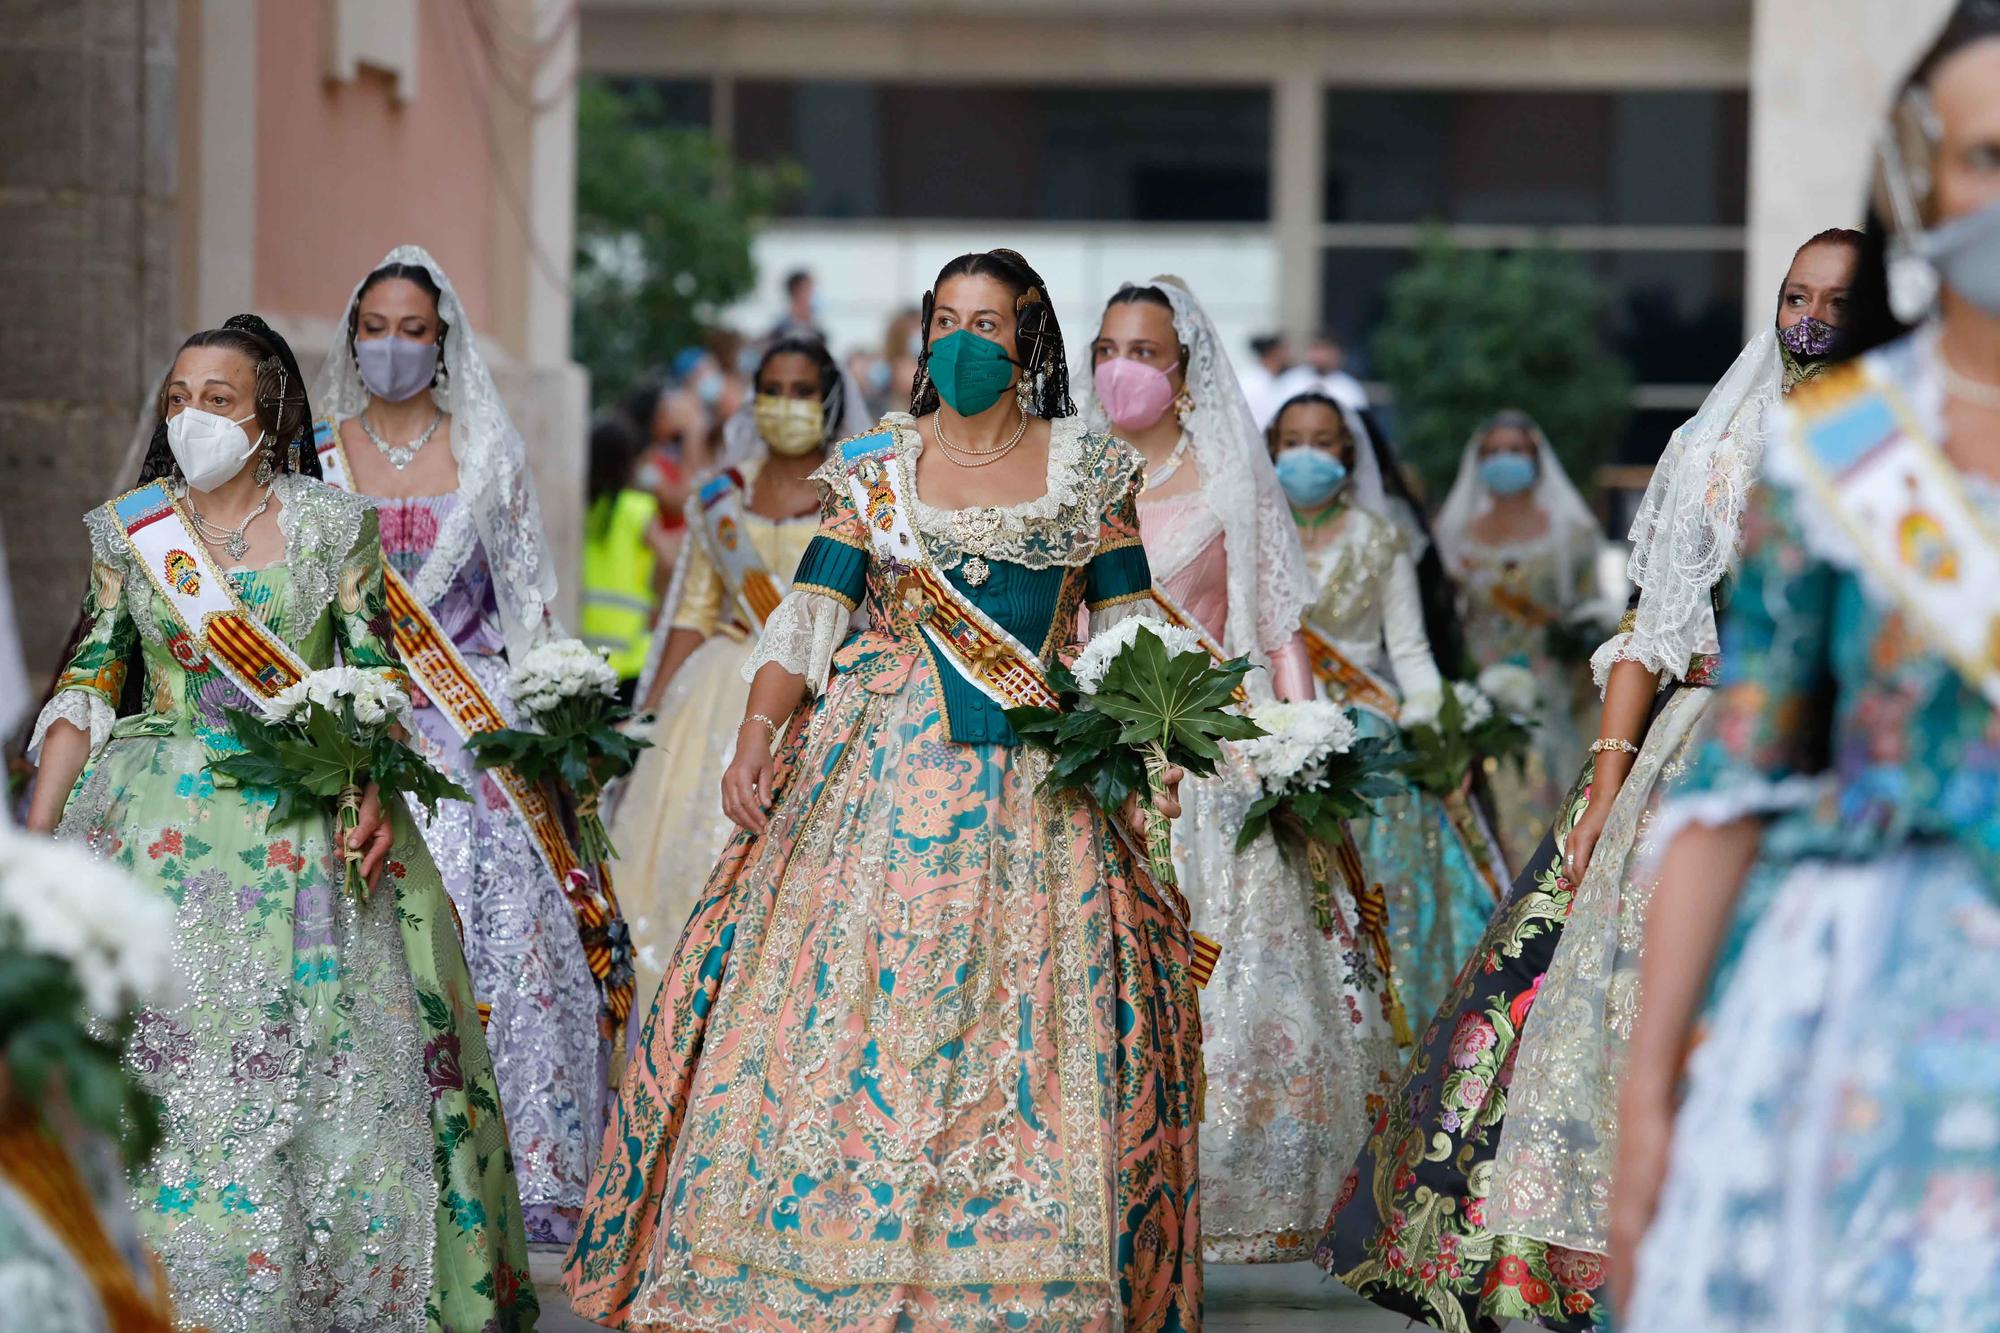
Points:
(1408, 1230)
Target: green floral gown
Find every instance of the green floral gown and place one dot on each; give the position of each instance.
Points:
(334, 1155)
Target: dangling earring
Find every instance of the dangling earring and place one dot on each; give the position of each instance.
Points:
(1023, 395)
(266, 465)
(292, 455)
(1183, 404)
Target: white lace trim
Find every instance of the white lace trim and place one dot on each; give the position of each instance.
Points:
(1650, 654)
(801, 636)
(1685, 537)
(1742, 798)
(81, 709)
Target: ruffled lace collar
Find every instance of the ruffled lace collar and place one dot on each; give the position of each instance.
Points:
(1058, 527)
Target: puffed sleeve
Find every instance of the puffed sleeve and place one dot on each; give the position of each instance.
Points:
(1403, 633)
(809, 624)
(1764, 746)
(1117, 582)
(361, 623)
(87, 691)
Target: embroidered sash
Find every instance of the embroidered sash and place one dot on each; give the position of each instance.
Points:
(715, 516)
(961, 635)
(1348, 680)
(441, 673)
(235, 642)
(1905, 509)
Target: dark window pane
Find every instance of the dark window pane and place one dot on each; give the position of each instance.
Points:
(1355, 297)
(1675, 315)
(1527, 158)
(888, 150)
(679, 102)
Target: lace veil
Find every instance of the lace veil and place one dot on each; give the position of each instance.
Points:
(1684, 539)
(1269, 588)
(498, 508)
(1572, 526)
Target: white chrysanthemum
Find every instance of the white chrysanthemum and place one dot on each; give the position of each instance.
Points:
(1421, 710)
(1513, 689)
(57, 899)
(1301, 738)
(375, 699)
(553, 673)
(1103, 649)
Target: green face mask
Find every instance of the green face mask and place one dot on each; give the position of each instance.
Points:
(970, 372)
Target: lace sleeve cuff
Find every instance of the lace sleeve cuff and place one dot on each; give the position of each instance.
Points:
(81, 709)
(801, 637)
(1743, 798)
(1626, 646)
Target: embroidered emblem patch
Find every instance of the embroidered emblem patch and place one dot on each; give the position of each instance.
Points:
(183, 574)
(1925, 547)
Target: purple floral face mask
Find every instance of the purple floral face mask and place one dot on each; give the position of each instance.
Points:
(1810, 339)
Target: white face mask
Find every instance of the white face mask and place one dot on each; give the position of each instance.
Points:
(210, 449)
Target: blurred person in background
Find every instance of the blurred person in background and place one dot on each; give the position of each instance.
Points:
(801, 317)
(902, 344)
(749, 523)
(1366, 618)
(1322, 372)
(620, 558)
(1807, 1125)
(733, 358)
(1497, 1143)
(1297, 1045)
(1521, 543)
(1270, 358)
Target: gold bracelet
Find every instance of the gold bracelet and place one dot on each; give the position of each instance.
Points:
(769, 725)
(1609, 743)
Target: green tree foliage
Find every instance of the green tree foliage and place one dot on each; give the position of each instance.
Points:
(1472, 331)
(664, 220)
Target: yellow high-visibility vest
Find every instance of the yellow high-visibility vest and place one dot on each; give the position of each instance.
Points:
(618, 579)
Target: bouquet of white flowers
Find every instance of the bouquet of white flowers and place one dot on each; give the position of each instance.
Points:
(1512, 688)
(1447, 734)
(569, 694)
(1142, 697)
(326, 736)
(83, 947)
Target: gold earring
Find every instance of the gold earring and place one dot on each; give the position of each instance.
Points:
(1183, 404)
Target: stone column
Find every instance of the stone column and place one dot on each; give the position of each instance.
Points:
(1821, 79)
(87, 237)
(1298, 191)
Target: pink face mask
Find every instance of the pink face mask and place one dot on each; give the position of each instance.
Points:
(1134, 395)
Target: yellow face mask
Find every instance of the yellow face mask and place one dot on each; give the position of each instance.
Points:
(791, 426)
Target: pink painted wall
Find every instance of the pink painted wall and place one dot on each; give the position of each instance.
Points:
(345, 172)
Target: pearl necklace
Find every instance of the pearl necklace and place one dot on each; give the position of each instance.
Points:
(401, 456)
(1167, 469)
(232, 540)
(978, 457)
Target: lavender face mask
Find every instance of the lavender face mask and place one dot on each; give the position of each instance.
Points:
(1810, 339)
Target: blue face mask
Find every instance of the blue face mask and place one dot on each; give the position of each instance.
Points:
(1310, 477)
(1507, 474)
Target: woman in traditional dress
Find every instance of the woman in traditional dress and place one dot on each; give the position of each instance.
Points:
(1521, 544)
(1835, 1158)
(1295, 1040)
(414, 423)
(927, 1055)
(333, 1153)
(1365, 617)
(1480, 1196)
(750, 523)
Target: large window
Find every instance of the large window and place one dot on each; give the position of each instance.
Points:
(1071, 154)
(1648, 187)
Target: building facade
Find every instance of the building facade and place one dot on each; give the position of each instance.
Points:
(1285, 156)
(172, 162)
